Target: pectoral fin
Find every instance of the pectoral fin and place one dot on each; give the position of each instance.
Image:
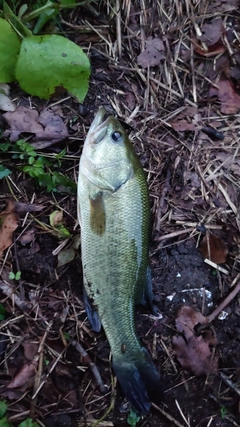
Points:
(92, 313)
(97, 214)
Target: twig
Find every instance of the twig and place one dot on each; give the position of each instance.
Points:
(103, 387)
(224, 303)
(7, 289)
(229, 383)
(181, 412)
(168, 416)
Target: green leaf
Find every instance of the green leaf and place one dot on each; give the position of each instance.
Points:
(23, 9)
(4, 422)
(66, 255)
(28, 423)
(18, 275)
(9, 49)
(51, 61)
(4, 171)
(44, 17)
(65, 184)
(4, 146)
(67, 3)
(133, 418)
(3, 313)
(3, 408)
(46, 180)
(16, 23)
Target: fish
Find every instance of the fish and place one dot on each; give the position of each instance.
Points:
(114, 216)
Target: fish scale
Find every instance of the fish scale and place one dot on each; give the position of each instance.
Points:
(106, 260)
(114, 214)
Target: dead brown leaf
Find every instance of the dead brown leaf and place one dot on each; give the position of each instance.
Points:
(46, 128)
(219, 5)
(27, 237)
(30, 349)
(130, 100)
(192, 351)
(230, 100)
(212, 32)
(26, 373)
(27, 207)
(212, 50)
(187, 120)
(213, 248)
(9, 223)
(183, 125)
(152, 54)
(211, 37)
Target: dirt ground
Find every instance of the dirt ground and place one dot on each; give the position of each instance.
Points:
(183, 120)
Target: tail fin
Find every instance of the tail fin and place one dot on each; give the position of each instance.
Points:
(139, 380)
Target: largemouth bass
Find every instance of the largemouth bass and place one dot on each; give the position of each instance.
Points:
(114, 215)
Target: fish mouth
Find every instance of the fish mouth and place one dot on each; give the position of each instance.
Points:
(98, 128)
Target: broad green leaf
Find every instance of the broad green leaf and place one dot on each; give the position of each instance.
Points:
(4, 172)
(48, 62)
(9, 49)
(3, 408)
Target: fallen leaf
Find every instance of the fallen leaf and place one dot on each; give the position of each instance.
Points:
(235, 72)
(27, 237)
(230, 100)
(27, 207)
(187, 120)
(212, 32)
(192, 351)
(152, 54)
(183, 125)
(212, 50)
(30, 349)
(213, 248)
(46, 128)
(6, 104)
(26, 373)
(130, 100)
(56, 221)
(219, 5)
(4, 88)
(67, 255)
(9, 223)
(55, 218)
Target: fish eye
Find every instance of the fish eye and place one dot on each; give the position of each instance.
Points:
(117, 136)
